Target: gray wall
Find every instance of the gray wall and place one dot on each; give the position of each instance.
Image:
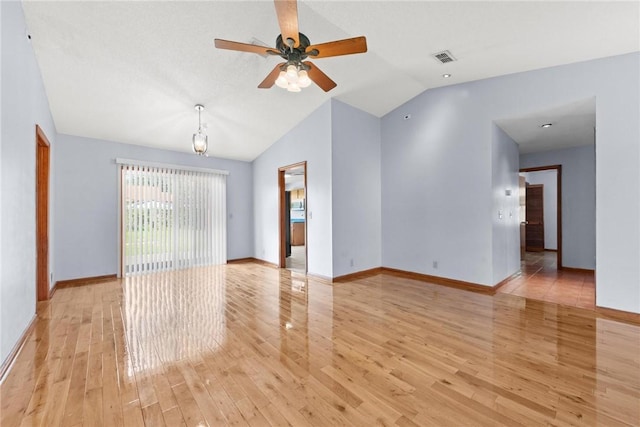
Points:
(436, 172)
(549, 179)
(436, 186)
(578, 202)
(505, 214)
(86, 206)
(309, 141)
(355, 154)
(24, 104)
(341, 145)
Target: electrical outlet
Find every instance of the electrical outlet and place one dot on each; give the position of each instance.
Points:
(351, 262)
(435, 264)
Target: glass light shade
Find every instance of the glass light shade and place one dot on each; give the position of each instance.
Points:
(292, 73)
(303, 79)
(200, 143)
(282, 81)
(293, 87)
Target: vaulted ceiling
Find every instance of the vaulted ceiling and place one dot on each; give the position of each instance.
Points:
(133, 71)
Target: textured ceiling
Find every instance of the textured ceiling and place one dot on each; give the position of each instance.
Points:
(571, 126)
(132, 71)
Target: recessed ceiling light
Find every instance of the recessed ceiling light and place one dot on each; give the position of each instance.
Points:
(546, 125)
(446, 76)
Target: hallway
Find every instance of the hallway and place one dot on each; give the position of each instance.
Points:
(540, 279)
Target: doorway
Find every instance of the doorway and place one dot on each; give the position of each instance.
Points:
(543, 275)
(42, 215)
(561, 270)
(292, 187)
(543, 212)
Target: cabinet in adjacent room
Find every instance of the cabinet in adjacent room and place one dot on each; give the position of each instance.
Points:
(297, 233)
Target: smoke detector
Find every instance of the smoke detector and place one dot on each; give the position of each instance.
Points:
(444, 56)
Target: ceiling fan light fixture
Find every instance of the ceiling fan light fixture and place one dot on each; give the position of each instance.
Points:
(292, 73)
(294, 47)
(293, 87)
(200, 141)
(303, 79)
(282, 81)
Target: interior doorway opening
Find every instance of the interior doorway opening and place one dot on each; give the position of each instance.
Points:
(547, 138)
(292, 185)
(541, 228)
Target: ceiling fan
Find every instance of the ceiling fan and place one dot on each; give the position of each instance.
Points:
(296, 73)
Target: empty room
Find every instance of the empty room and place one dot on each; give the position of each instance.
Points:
(313, 212)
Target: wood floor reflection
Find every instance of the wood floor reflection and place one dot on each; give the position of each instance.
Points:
(246, 344)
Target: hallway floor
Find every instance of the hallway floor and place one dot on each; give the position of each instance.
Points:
(541, 280)
(297, 261)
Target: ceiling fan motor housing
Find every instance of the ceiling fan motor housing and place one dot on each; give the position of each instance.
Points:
(294, 55)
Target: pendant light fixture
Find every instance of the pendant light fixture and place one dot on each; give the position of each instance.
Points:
(200, 140)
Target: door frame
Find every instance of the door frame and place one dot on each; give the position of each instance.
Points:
(558, 169)
(42, 215)
(282, 214)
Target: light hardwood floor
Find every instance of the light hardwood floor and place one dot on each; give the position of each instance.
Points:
(246, 344)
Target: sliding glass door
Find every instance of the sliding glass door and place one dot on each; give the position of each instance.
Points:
(172, 219)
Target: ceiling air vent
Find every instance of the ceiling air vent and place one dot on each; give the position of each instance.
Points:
(444, 56)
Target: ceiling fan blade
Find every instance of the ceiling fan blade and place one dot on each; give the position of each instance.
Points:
(319, 78)
(271, 78)
(287, 11)
(339, 47)
(245, 47)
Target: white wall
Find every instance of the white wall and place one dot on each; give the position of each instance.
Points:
(24, 104)
(506, 207)
(549, 180)
(355, 154)
(578, 204)
(86, 207)
(436, 172)
(309, 141)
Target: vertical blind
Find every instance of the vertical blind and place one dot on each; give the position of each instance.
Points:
(172, 218)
